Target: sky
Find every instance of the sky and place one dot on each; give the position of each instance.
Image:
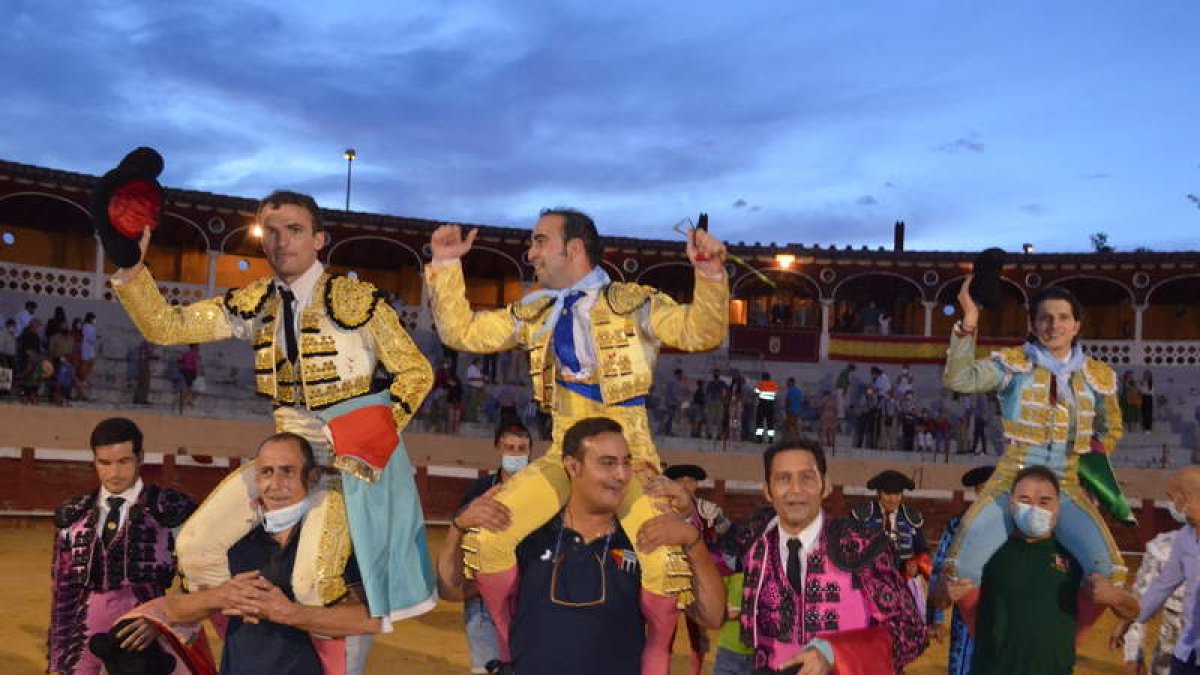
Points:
(978, 124)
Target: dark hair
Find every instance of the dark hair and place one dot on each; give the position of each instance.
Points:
(89, 317)
(808, 445)
(280, 198)
(572, 445)
(579, 225)
(118, 430)
(511, 429)
(306, 449)
(30, 305)
(1038, 472)
(1055, 293)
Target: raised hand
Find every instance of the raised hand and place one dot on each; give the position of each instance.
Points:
(707, 253)
(448, 244)
(970, 310)
(127, 273)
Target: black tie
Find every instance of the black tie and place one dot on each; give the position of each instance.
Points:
(793, 564)
(289, 322)
(113, 521)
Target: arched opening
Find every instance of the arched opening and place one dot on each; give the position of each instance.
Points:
(494, 277)
(793, 302)
(392, 266)
(48, 231)
(873, 303)
(1171, 311)
(676, 279)
(1010, 320)
(1107, 307)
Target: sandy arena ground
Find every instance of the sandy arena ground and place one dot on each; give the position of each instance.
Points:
(430, 645)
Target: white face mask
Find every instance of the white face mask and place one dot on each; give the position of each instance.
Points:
(279, 520)
(513, 463)
(1176, 513)
(1033, 521)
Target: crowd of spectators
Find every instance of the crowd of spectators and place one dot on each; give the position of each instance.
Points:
(47, 361)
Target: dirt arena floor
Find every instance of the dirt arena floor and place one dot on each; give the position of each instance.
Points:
(430, 645)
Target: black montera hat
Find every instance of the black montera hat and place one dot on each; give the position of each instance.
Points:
(891, 482)
(985, 280)
(977, 476)
(128, 200)
(685, 471)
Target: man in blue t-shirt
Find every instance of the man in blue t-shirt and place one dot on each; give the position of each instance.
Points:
(269, 632)
(577, 605)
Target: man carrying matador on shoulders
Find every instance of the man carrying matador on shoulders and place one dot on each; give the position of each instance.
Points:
(317, 339)
(592, 346)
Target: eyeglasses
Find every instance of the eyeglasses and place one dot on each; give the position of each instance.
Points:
(600, 560)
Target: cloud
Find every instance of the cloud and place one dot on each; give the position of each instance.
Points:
(866, 200)
(968, 143)
(1097, 176)
(740, 203)
(1033, 208)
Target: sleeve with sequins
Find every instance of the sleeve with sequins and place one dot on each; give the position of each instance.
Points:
(412, 376)
(164, 324)
(697, 326)
(481, 332)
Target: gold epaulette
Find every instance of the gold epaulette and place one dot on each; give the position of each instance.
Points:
(350, 302)
(246, 302)
(1100, 376)
(1014, 358)
(531, 310)
(626, 298)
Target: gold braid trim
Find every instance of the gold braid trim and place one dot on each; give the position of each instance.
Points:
(350, 302)
(470, 551)
(335, 548)
(1100, 376)
(530, 311)
(679, 577)
(357, 468)
(626, 298)
(1014, 358)
(248, 301)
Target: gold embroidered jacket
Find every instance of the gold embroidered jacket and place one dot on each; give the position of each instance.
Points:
(628, 324)
(1023, 390)
(344, 332)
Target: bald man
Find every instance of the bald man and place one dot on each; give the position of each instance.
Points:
(1182, 567)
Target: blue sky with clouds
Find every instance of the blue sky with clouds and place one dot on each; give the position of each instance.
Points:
(791, 121)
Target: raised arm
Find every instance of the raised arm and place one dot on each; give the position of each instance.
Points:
(703, 323)
(483, 332)
(963, 373)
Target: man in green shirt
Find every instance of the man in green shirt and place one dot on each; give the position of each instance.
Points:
(1034, 598)
(734, 657)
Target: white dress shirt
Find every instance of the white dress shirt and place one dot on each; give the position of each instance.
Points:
(303, 288)
(130, 496)
(808, 541)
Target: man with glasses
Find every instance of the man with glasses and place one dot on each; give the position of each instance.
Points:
(578, 607)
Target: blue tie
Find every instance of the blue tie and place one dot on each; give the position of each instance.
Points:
(564, 334)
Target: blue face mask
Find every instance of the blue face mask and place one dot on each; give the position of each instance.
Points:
(1033, 521)
(1176, 513)
(513, 463)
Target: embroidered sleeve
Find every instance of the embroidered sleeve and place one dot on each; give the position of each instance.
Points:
(412, 377)
(172, 508)
(482, 332)
(1151, 565)
(939, 564)
(700, 325)
(893, 606)
(164, 324)
(1107, 425)
(351, 303)
(64, 598)
(966, 375)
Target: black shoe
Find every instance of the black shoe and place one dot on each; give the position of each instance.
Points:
(498, 667)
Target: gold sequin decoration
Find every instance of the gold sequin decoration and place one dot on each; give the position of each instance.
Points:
(351, 302)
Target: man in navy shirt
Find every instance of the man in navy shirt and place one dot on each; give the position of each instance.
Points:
(578, 607)
(268, 631)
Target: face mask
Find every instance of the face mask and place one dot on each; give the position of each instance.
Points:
(1032, 520)
(282, 519)
(1176, 513)
(513, 463)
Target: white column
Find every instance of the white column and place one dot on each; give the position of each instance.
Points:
(210, 285)
(826, 322)
(98, 276)
(1138, 353)
(929, 306)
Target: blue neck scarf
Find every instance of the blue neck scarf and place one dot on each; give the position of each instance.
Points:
(597, 278)
(1061, 370)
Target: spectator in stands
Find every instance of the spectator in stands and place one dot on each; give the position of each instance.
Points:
(905, 382)
(442, 375)
(696, 410)
(8, 343)
(510, 399)
(57, 323)
(868, 318)
(29, 340)
(143, 356)
(89, 342)
(454, 405)
(885, 323)
(962, 645)
(907, 414)
(766, 393)
(1128, 635)
(473, 394)
(793, 409)
(735, 408)
(828, 419)
(1131, 400)
(577, 608)
(843, 386)
(1034, 596)
(268, 631)
(980, 411)
(943, 431)
(58, 343)
(861, 620)
(189, 370)
(715, 394)
(113, 550)
(866, 427)
(25, 316)
(1147, 389)
(64, 380)
(1181, 570)
(513, 445)
(35, 371)
(672, 401)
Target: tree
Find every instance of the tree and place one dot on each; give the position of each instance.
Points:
(1100, 242)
